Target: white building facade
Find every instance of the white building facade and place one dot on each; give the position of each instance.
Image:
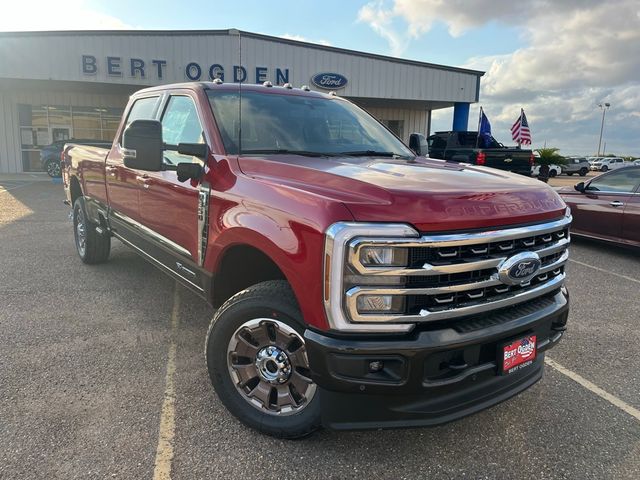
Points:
(56, 86)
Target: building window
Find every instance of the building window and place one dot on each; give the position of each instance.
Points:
(396, 126)
(43, 125)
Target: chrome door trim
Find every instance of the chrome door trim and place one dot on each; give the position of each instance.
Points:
(171, 245)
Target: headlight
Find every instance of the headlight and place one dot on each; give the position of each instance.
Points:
(383, 257)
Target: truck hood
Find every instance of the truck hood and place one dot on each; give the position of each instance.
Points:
(433, 195)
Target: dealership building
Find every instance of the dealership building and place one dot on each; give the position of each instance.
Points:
(56, 86)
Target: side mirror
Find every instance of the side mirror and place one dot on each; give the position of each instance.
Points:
(142, 143)
(199, 150)
(188, 171)
(580, 187)
(418, 144)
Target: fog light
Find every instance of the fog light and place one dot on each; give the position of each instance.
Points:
(383, 256)
(376, 366)
(380, 304)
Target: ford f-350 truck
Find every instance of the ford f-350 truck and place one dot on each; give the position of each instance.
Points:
(359, 285)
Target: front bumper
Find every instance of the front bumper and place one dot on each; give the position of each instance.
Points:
(430, 376)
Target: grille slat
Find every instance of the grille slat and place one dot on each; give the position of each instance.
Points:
(447, 278)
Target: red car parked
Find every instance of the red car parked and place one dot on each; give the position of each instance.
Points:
(607, 207)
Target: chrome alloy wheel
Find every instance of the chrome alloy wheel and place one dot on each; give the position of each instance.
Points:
(268, 364)
(81, 232)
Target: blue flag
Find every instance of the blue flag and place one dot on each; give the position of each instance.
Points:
(484, 130)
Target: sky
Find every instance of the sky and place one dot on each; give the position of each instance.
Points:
(557, 59)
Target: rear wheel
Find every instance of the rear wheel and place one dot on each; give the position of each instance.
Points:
(53, 168)
(553, 173)
(92, 246)
(258, 364)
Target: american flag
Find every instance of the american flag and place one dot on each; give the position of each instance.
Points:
(520, 130)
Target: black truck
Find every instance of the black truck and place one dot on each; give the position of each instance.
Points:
(486, 150)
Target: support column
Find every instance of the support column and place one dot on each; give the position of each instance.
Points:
(460, 117)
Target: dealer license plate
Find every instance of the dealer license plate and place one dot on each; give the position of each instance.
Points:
(518, 354)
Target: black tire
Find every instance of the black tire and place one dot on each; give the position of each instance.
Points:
(570, 173)
(583, 171)
(53, 168)
(92, 247)
(258, 303)
(604, 168)
(552, 173)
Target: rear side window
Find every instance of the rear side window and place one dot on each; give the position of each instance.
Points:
(142, 109)
(437, 143)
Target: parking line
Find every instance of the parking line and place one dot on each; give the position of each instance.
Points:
(164, 452)
(605, 271)
(2, 189)
(634, 412)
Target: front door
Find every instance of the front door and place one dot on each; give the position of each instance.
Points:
(169, 208)
(599, 211)
(123, 183)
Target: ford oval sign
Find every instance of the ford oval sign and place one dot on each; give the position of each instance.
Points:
(519, 268)
(329, 81)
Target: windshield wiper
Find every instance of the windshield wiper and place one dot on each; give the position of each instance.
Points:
(373, 153)
(284, 151)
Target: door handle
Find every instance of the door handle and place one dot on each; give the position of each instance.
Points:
(144, 180)
(616, 203)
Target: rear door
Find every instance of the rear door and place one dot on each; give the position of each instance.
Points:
(169, 208)
(123, 183)
(631, 217)
(599, 211)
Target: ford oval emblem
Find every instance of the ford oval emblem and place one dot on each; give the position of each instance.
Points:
(329, 81)
(519, 269)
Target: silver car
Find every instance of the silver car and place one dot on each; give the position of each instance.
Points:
(579, 165)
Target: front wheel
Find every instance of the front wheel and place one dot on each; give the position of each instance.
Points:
(583, 172)
(258, 363)
(91, 245)
(552, 173)
(604, 168)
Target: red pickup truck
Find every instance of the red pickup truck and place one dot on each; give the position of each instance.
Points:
(359, 285)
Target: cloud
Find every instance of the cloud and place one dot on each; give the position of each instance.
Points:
(578, 53)
(300, 38)
(62, 15)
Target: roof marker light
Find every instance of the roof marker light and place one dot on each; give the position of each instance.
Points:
(305, 88)
(217, 81)
(288, 85)
(267, 84)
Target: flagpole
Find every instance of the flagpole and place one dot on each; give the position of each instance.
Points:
(479, 122)
(520, 136)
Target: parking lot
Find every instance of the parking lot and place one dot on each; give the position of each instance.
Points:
(102, 375)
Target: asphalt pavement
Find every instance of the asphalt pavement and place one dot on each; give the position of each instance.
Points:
(85, 353)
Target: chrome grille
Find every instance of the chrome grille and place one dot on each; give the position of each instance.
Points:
(449, 276)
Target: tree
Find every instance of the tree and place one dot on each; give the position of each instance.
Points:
(548, 156)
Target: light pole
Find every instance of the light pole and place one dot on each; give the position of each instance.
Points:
(604, 108)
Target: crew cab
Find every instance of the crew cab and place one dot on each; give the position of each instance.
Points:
(359, 284)
(486, 151)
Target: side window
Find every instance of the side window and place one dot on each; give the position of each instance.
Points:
(181, 124)
(436, 143)
(142, 109)
(622, 181)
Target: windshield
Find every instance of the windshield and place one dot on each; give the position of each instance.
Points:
(273, 123)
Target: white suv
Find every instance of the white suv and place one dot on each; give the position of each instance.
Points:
(604, 164)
